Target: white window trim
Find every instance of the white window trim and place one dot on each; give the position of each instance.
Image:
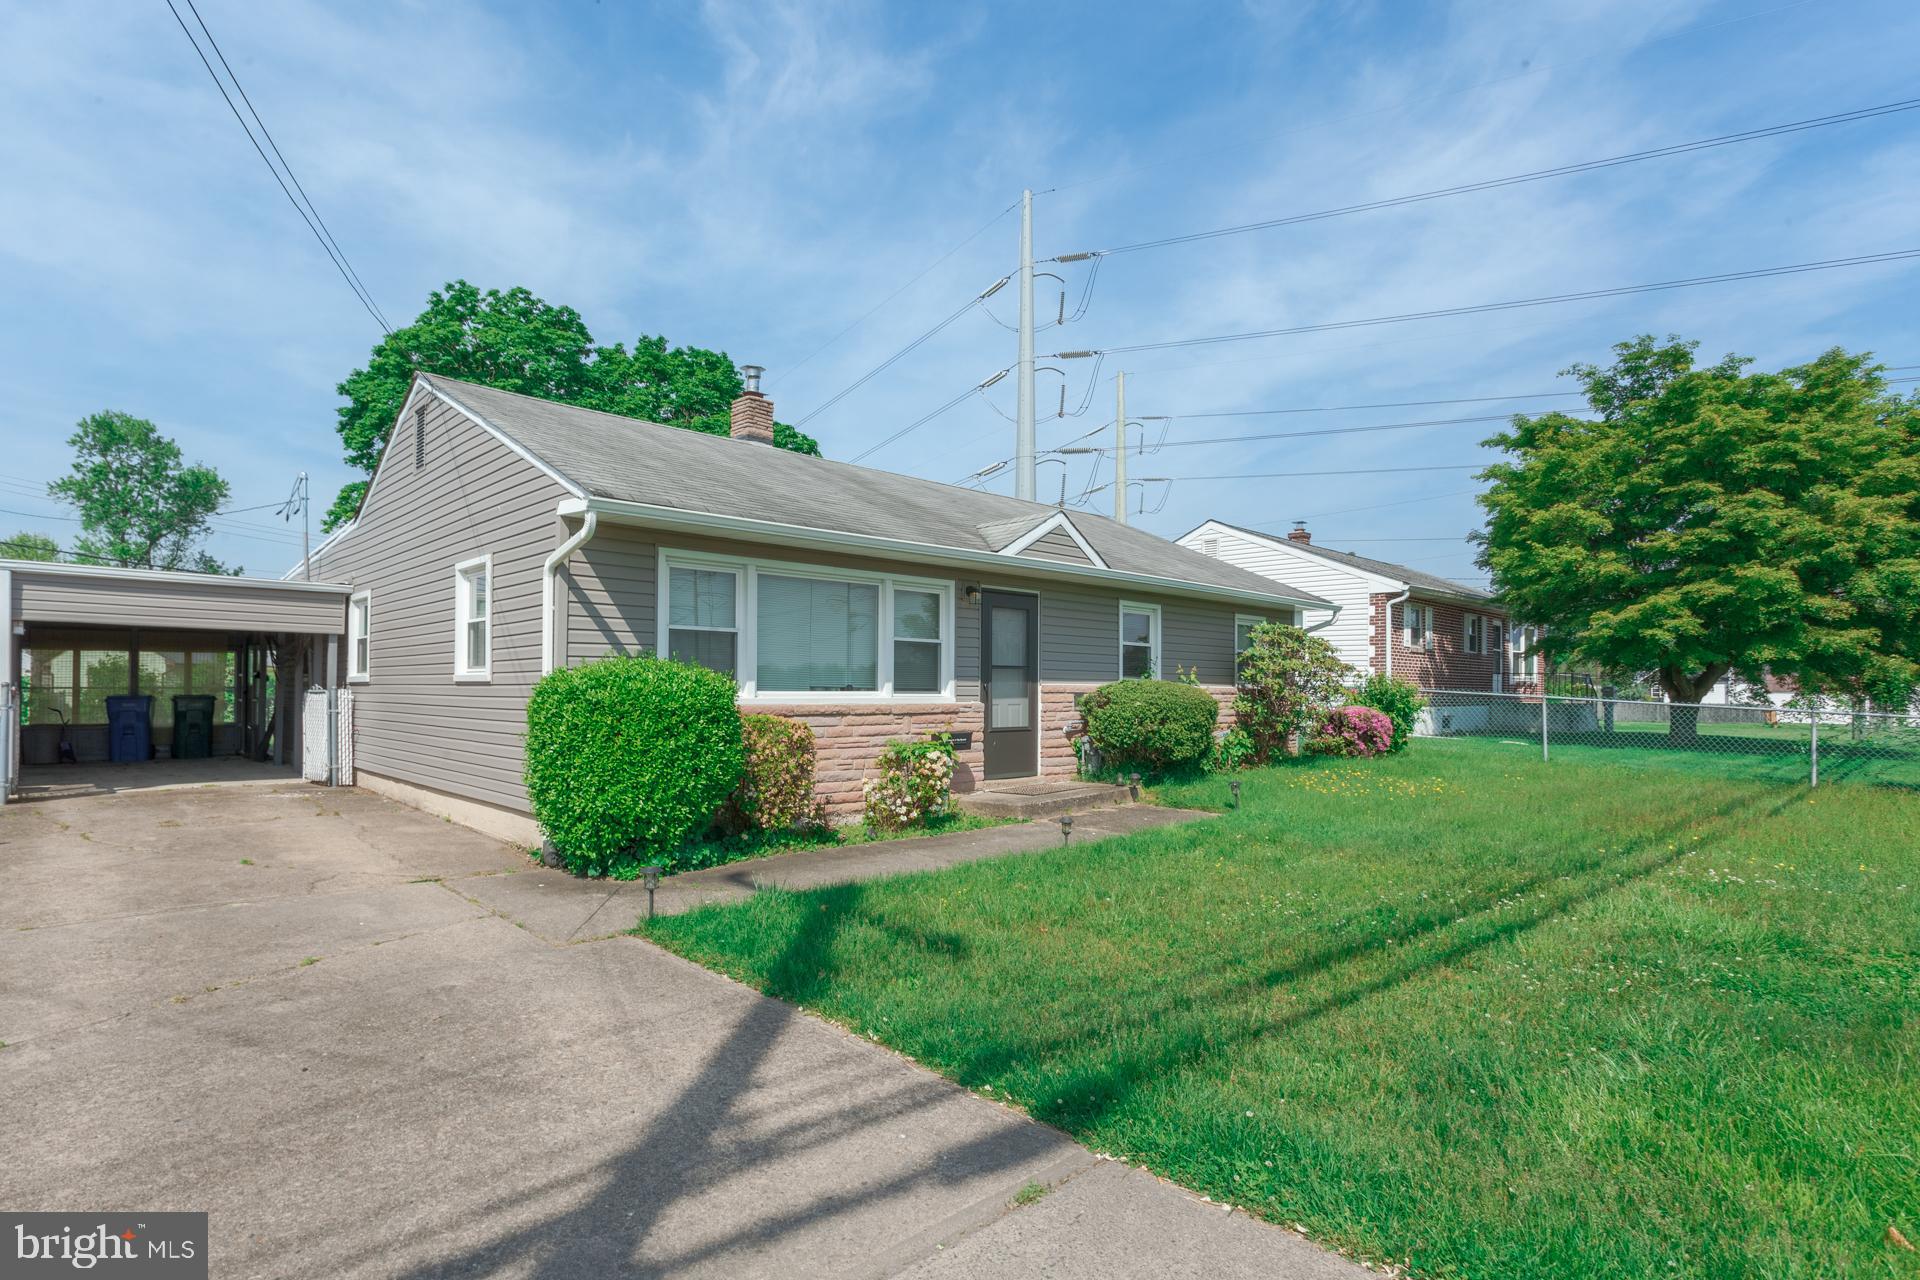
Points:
(1409, 611)
(1239, 620)
(365, 674)
(462, 673)
(1153, 632)
(1468, 644)
(746, 586)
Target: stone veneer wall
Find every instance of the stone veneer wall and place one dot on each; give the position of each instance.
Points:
(847, 738)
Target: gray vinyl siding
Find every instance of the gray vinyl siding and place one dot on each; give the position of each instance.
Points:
(609, 593)
(1057, 545)
(472, 496)
(197, 604)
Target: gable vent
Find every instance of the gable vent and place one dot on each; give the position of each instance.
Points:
(419, 436)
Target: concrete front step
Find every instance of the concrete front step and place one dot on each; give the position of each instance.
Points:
(1032, 798)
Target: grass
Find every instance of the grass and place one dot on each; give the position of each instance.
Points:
(1887, 759)
(1456, 1010)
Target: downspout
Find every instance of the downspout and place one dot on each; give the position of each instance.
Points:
(588, 524)
(1386, 640)
(1331, 619)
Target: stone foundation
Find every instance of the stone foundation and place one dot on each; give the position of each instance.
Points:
(1060, 723)
(847, 738)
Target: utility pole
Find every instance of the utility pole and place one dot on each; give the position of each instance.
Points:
(1120, 446)
(1024, 447)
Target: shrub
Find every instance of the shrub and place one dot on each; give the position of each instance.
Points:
(915, 783)
(1399, 700)
(1288, 680)
(1353, 731)
(776, 785)
(1233, 751)
(628, 757)
(1151, 725)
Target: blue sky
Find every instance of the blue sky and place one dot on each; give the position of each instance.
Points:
(754, 178)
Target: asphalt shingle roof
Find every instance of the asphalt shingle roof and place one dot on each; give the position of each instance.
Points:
(1415, 578)
(631, 460)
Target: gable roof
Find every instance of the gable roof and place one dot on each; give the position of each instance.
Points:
(1409, 577)
(607, 456)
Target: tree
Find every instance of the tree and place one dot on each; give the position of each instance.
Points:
(30, 546)
(140, 505)
(1712, 520)
(518, 342)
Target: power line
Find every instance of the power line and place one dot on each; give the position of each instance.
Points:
(1537, 175)
(338, 260)
(917, 423)
(984, 228)
(1320, 431)
(1829, 264)
(884, 365)
(1354, 471)
(1385, 404)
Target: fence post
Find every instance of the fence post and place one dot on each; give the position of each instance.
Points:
(1813, 741)
(1544, 705)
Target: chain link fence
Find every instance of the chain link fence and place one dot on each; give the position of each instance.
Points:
(1800, 744)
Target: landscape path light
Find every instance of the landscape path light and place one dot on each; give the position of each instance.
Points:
(650, 877)
(1066, 827)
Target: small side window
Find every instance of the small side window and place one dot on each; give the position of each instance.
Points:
(473, 614)
(360, 636)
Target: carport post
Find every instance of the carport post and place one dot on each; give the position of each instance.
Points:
(9, 688)
(333, 713)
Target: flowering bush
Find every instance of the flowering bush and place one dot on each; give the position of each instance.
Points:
(1287, 681)
(1399, 700)
(1353, 731)
(776, 788)
(914, 783)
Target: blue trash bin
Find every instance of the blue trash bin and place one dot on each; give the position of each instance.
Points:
(129, 728)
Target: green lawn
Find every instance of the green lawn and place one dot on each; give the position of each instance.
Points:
(1761, 753)
(1459, 1010)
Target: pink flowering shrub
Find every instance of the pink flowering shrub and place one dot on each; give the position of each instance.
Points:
(1353, 731)
(914, 782)
(776, 787)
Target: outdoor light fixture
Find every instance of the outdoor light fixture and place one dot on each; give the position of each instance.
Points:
(1066, 828)
(1233, 785)
(973, 593)
(650, 876)
(1133, 785)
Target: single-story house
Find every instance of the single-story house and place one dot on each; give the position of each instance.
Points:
(504, 535)
(1391, 619)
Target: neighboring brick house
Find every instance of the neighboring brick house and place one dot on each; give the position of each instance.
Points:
(503, 536)
(1391, 619)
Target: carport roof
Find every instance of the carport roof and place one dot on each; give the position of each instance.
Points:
(109, 596)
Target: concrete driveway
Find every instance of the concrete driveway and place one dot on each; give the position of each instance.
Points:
(308, 1013)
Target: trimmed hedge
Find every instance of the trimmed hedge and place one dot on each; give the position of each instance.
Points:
(1151, 725)
(628, 757)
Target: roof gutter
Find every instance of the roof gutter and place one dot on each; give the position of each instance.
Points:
(793, 535)
(1386, 641)
(1331, 619)
(561, 554)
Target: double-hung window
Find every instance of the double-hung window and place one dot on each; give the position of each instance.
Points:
(1419, 625)
(1243, 625)
(1139, 640)
(1474, 634)
(473, 614)
(703, 617)
(789, 632)
(360, 636)
(1526, 658)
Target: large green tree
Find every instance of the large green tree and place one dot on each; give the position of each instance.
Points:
(518, 342)
(140, 504)
(30, 546)
(1708, 519)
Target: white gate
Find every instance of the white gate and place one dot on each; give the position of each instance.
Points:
(326, 754)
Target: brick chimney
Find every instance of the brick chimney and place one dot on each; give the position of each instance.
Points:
(1299, 532)
(752, 412)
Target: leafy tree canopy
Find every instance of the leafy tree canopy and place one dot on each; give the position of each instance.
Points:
(140, 504)
(518, 342)
(30, 546)
(1709, 519)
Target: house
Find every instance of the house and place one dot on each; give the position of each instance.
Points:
(1390, 619)
(503, 536)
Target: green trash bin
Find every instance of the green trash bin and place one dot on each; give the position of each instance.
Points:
(192, 726)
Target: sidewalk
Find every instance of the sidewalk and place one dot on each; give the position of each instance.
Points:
(563, 908)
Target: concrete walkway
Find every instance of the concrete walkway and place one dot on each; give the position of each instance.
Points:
(565, 908)
(286, 1007)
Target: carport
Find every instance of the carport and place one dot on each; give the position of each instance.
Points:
(75, 635)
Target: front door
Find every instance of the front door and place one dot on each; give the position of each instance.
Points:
(1010, 676)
